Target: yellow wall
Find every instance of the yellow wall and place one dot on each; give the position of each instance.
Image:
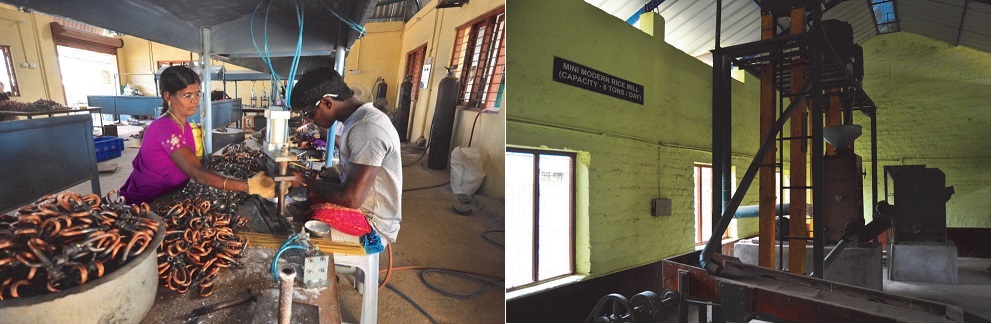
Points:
(138, 58)
(373, 59)
(436, 28)
(373, 56)
(30, 39)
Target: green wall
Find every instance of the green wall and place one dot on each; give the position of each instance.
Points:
(636, 152)
(933, 109)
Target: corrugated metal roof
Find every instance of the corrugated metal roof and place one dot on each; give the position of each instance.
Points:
(942, 20)
(690, 25)
(622, 9)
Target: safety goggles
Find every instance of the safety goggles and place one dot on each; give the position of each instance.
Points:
(309, 113)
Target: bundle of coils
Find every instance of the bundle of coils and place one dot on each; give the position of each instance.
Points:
(199, 241)
(65, 240)
(239, 161)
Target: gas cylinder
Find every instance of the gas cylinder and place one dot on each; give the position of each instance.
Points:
(403, 115)
(443, 124)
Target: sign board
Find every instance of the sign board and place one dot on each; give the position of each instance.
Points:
(578, 75)
(425, 76)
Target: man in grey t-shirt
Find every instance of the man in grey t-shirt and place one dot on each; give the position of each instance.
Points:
(370, 149)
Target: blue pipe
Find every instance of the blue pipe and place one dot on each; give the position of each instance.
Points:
(752, 211)
(331, 133)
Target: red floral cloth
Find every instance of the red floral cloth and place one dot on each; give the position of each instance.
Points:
(346, 220)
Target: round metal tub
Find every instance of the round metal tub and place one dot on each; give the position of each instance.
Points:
(226, 136)
(122, 296)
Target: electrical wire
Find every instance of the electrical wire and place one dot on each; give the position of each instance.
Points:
(486, 284)
(275, 261)
(372, 90)
(421, 156)
(296, 55)
(273, 75)
(285, 247)
(465, 274)
(351, 24)
(428, 187)
(472, 134)
(251, 27)
(422, 311)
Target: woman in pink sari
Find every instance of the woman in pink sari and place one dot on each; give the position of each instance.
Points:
(167, 158)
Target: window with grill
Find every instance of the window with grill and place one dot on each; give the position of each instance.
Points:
(414, 68)
(884, 12)
(7, 73)
(480, 59)
(540, 216)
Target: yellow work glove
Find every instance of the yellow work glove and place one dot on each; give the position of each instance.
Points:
(262, 185)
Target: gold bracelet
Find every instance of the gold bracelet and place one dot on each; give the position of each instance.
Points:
(225, 183)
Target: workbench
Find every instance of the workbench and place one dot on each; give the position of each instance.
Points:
(172, 307)
(254, 275)
(75, 111)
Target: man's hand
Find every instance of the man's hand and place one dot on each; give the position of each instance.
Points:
(331, 174)
(301, 179)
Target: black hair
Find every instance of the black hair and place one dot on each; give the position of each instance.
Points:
(317, 82)
(173, 79)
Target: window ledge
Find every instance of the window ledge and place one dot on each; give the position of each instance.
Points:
(700, 246)
(476, 109)
(544, 286)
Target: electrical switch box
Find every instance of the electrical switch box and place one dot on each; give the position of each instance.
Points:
(661, 207)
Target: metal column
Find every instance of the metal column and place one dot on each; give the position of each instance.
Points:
(874, 157)
(816, 160)
(719, 145)
(339, 55)
(205, 103)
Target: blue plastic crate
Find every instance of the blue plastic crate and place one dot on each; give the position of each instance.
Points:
(108, 147)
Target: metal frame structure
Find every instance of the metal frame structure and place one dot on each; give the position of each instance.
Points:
(825, 71)
(126, 105)
(743, 292)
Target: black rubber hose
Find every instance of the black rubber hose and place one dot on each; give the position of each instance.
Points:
(422, 311)
(485, 284)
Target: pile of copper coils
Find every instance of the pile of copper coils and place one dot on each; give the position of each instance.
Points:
(65, 240)
(238, 161)
(199, 241)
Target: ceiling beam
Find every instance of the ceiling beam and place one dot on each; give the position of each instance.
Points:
(964, 10)
(831, 4)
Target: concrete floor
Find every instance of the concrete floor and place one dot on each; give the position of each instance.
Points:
(972, 293)
(432, 235)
